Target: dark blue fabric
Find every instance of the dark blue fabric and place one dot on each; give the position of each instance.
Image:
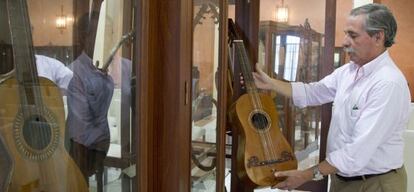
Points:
(89, 96)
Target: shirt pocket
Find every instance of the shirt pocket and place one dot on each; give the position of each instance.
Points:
(354, 115)
(353, 112)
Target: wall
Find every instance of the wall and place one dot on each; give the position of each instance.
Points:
(358, 3)
(343, 7)
(299, 10)
(401, 52)
(203, 46)
(43, 15)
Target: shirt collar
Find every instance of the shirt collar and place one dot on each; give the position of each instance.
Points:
(371, 66)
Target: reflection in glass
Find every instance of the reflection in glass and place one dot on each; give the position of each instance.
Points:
(204, 102)
(94, 129)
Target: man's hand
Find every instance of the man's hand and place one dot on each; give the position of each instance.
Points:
(295, 178)
(262, 80)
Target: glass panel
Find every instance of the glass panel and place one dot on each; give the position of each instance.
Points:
(70, 113)
(291, 58)
(204, 98)
(277, 54)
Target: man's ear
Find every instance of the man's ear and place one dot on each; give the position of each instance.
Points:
(380, 36)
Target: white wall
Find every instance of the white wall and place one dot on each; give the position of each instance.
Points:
(409, 157)
(408, 151)
(299, 10)
(358, 3)
(411, 121)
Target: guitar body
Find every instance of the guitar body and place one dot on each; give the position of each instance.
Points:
(262, 149)
(36, 143)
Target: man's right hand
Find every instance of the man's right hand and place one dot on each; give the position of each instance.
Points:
(262, 80)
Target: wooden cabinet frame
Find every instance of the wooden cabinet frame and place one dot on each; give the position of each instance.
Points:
(162, 59)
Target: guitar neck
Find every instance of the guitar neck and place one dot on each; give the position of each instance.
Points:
(246, 67)
(24, 61)
(247, 71)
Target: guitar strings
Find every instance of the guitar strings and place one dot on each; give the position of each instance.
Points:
(36, 115)
(253, 98)
(250, 88)
(266, 141)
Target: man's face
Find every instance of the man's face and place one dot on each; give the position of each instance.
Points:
(361, 47)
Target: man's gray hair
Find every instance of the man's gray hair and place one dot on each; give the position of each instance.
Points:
(378, 18)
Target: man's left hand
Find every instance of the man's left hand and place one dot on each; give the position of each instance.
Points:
(295, 178)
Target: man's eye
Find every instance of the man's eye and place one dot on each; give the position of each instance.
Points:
(351, 35)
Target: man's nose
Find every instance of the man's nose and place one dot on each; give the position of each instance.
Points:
(346, 42)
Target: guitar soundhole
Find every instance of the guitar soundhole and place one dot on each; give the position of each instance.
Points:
(37, 132)
(259, 121)
(36, 135)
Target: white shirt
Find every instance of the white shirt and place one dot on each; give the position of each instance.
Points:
(371, 107)
(54, 70)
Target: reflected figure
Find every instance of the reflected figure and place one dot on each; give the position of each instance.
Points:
(89, 95)
(54, 70)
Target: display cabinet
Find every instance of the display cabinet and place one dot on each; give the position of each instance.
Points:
(339, 57)
(293, 54)
(167, 113)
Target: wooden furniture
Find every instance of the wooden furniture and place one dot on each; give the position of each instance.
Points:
(207, 96)
(293, 53)
(163, 56)
(161, 91)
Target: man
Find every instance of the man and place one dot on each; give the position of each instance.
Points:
(89, 96)
(370, 110)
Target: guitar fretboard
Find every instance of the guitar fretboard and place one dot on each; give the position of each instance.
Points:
(24, 61)
(246, 69)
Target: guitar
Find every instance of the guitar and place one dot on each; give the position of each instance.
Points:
(32, 119)
(262, 149)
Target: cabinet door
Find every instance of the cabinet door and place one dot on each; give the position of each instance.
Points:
(208, 112)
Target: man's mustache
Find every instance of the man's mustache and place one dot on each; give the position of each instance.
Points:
(349, 50)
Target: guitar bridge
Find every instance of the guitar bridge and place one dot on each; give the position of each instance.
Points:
(254, 160)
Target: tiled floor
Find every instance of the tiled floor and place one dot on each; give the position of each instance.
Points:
(112, 181)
